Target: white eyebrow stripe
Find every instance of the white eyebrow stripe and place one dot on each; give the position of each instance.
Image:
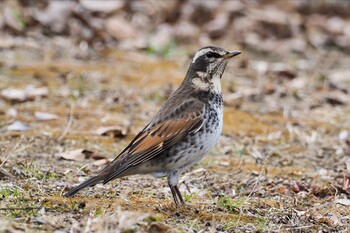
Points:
(200, 53)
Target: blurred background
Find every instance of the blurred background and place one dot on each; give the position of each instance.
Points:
(161, 26)
(79, 78)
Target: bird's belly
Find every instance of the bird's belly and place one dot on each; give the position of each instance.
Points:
(190, 150)
(195, 146)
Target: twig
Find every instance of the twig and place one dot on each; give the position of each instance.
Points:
(84, 166)
(70, 120)
(298, 227)
(263, 168)
(22, 208)
(19, 142)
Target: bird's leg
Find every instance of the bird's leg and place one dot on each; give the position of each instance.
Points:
(173, 192)
(173, 180)
(179, 195)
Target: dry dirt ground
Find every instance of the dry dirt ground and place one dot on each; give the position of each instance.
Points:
(280, 165)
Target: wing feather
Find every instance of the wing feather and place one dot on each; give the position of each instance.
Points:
(157, 137)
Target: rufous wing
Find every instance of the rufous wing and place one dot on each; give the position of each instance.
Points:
(157, 137)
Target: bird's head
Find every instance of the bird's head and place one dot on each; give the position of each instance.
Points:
(208, 65)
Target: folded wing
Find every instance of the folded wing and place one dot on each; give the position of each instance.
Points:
(162, 133)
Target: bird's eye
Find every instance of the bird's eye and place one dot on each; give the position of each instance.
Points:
(211, 54)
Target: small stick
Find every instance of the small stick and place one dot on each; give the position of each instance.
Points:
(22, 208)
(70, 120)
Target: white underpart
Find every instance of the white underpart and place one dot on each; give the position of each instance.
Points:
(206, 140)
(200, 53)
(201, 74)
(213, 85)
(216, 84)
(200, 84)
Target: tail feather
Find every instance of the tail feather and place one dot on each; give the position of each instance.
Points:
(90, 182)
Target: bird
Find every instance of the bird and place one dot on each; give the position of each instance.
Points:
(181, 133)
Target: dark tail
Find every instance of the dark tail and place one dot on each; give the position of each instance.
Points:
(87, 183)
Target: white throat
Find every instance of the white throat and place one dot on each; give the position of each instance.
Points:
(214, 84)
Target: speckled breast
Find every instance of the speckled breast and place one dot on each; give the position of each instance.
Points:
(195, 146)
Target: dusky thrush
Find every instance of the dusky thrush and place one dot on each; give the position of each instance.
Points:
(183, 131)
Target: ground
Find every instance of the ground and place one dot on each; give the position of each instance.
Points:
(279, 166)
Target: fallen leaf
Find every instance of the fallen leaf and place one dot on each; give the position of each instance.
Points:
(101, 162)
(294, 186)
(334, 101)
(18, 126)
(343, 135)
(161, 38)
(281, 70)
(234, 100)
(347, 148)
(345, 202)
(102, 5)
(79, 155)
(281, 190)
(12, 112)
(112, 131)
(217, 27)
(119, 28)
(288, 74)
(340, 78)
(45, 116)
(56, 15)
(346, 179)
(4, 174)
(158, 227)
(13, 15)
(29, 93)
(13, 94)
(32, 92)
(299, 213)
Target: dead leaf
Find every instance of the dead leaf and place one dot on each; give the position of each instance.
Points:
(101, 162)
(346, 179)
(102, 6)
(343, 135)
(281, 190)
(299, 213)
(161, 38)
(18, 126)
(4, 174)
(347, 148)
(347, 162)
(345, 202)
(13, 94)
(112, 131)
(79, 155)
(234, 100)
(56, 15)
(12, 112)
(13, 15)
(32, 92)
(294, 186)
(337, 99)
(119, 28)
(29, 93)
(45, 116)
(340, 78)
(156, 227)
(186, 31)
(281, 70)
(217, 27)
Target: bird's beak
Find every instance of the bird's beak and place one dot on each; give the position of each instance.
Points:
(231, 54)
